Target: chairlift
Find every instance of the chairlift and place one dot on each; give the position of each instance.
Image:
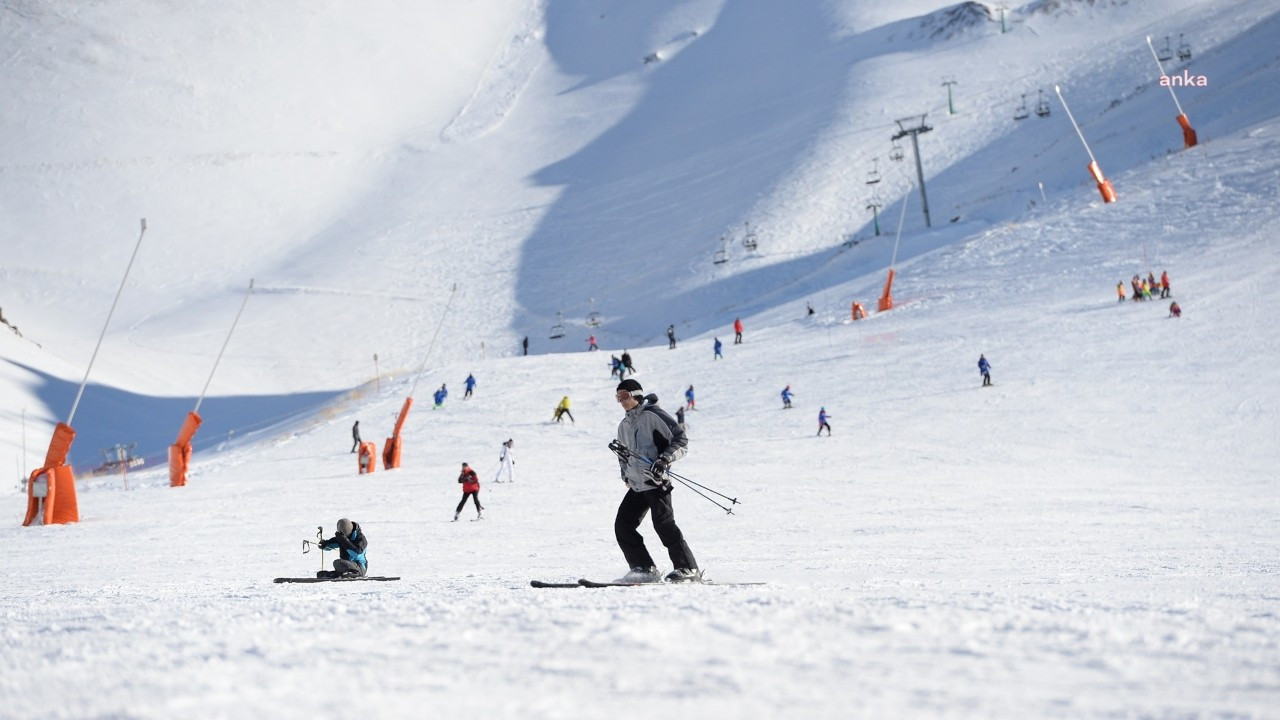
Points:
(896, 153)
(1022, 113)
(1184, 49)
(1166, 53)
(722, 255)
(873, 177)
(593, 318)
(749, 239)
(557, 330)
(1042, 106)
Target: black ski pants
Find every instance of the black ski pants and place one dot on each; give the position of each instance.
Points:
(475, 497)
(635, 505)
(342, 567)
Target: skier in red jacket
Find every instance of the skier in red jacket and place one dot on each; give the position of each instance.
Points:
(737, 331)
(470, 489)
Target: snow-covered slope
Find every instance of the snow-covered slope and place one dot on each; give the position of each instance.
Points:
(1094, 536)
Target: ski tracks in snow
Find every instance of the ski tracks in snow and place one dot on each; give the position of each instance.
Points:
(503, 81)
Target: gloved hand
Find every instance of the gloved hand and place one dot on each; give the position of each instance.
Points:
(659, 470)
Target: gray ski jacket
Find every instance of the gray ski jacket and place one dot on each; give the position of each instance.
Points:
(649, 431)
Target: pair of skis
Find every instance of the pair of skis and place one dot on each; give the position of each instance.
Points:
(379, 578)
(593, 584)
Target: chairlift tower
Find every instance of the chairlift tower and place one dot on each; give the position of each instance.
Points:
(948, 82)
(909, 126)
(874, 206)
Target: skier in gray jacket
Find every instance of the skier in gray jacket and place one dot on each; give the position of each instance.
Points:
(648, 431)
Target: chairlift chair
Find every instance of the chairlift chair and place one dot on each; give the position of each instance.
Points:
(557, 330)
(722, 255)
(1166, 53)
(593, 318)
(1022, 113)
(873, 177)
(1042, 106)
(1184, 49)
(896, 153)
(749, 239)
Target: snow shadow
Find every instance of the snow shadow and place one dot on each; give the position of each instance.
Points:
(109, 416)
(718, 126)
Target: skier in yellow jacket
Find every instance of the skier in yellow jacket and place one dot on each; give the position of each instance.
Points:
(563, 409)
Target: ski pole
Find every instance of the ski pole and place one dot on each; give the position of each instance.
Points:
(623, 452)
(320, 544)
(732, 500)
(728, 510)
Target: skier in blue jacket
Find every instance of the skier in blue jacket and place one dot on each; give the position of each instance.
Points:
(719, 347)
(439, 396)
(470, 382)
(786, 398)
(822, 422)
(984, 367)
(350, 541)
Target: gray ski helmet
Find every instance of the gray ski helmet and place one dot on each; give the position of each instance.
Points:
(632, 386)
(344, 527)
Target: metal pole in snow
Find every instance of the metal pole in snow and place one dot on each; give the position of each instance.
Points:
(443, 315)
(377, 375)
(105, 325)
(902, 216)
(224, 347)
(1162, 74)
(1074, 125)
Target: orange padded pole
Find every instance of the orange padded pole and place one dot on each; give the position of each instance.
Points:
(1104, 185)
(59, 505)
(391, 451)
(180, 451)
(1188, 133)
(886, 300)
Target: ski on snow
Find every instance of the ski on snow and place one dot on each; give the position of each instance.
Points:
(379, 578)
(593, 584)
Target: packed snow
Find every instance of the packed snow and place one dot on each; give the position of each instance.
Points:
(1095, 535)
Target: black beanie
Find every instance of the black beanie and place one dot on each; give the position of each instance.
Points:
(631, 386)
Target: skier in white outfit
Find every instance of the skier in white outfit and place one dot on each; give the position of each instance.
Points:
(506, 463)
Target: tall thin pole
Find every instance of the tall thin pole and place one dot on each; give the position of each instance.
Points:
(1162, 74)
(224, 346)
(1073, 124)
(951, 108)
(377, 375)
(914, 132)
(901, 217)
(924, 199)
(105, 325)
(24, 442)
(440, 324)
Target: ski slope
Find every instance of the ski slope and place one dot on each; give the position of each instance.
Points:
(1094, 536)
